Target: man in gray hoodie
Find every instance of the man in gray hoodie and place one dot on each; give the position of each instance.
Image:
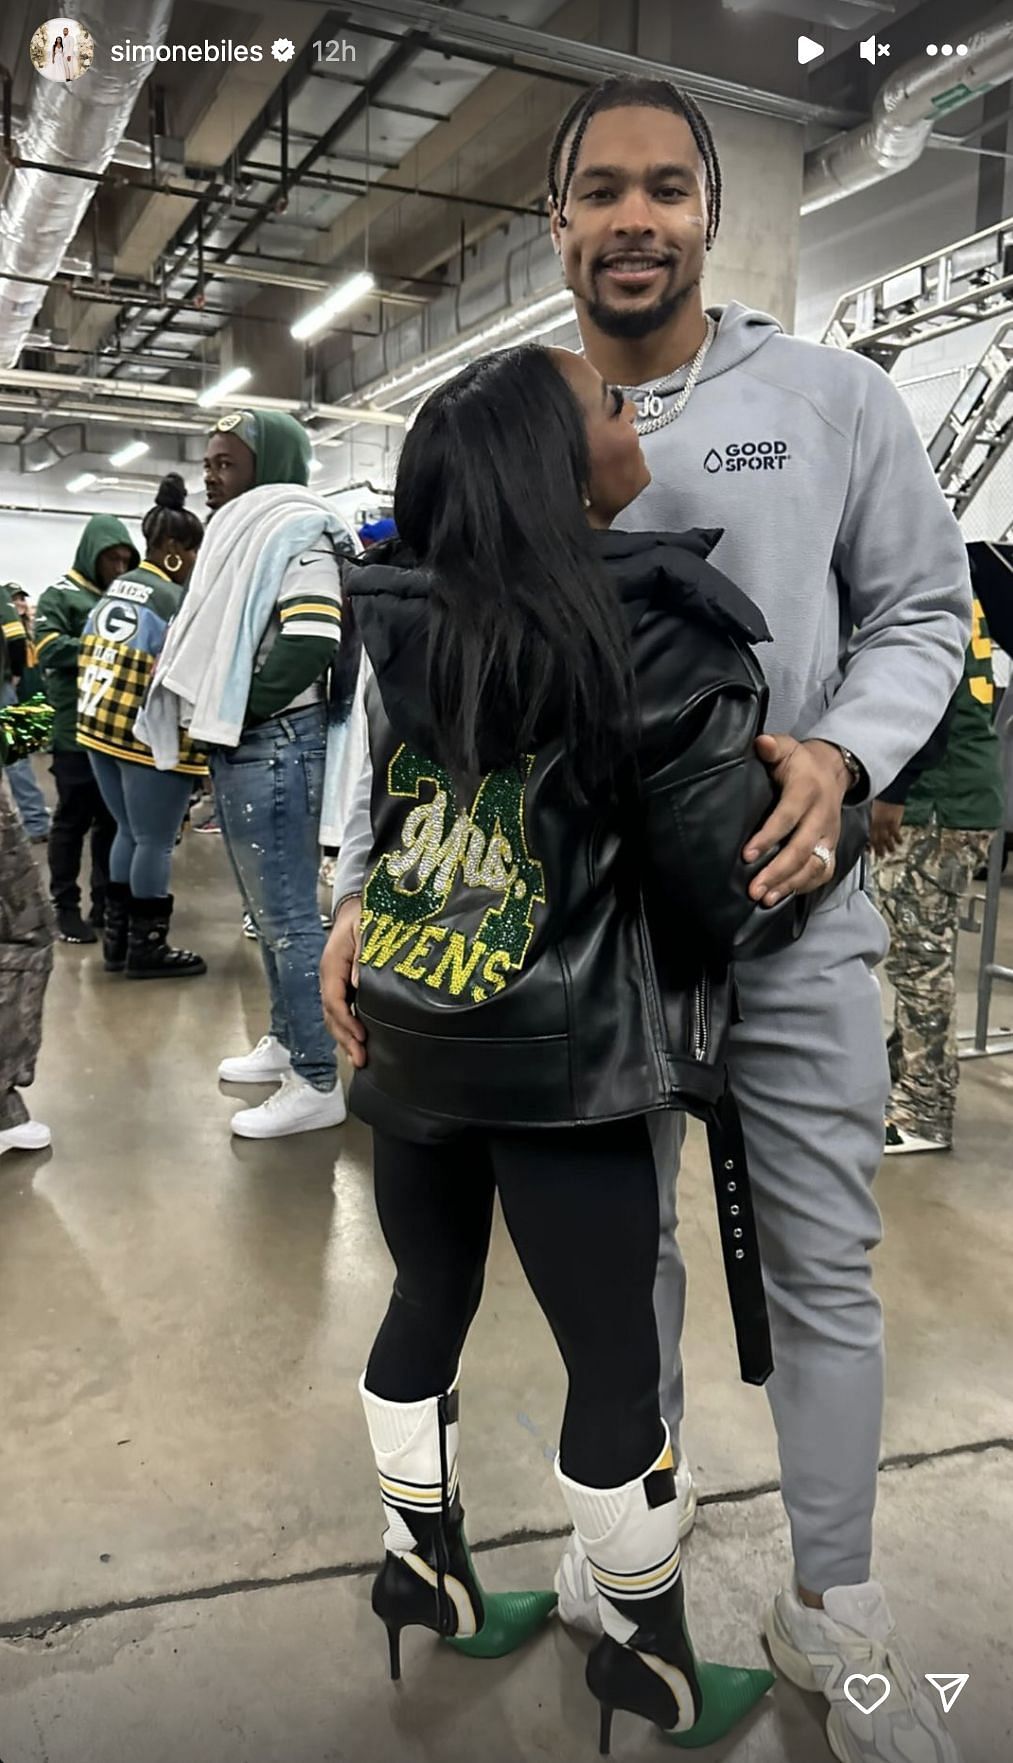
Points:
(809, 462)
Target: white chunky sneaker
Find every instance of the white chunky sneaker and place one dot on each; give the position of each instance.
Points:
(268, 1062)
(295, 1107)
(31, 1135)
(575, 1587)
(854, 1637)
(900, 1142)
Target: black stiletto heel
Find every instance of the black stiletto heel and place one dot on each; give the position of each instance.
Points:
(605, 1731)
(394, 1642)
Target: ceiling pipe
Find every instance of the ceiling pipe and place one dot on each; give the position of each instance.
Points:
(72, 124)
(180, 396)
(904, 113)
(59, 411)
(133, 153)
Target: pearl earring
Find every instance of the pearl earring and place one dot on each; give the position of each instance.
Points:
(587, 501)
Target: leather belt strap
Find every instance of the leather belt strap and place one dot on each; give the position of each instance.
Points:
(739, 1244)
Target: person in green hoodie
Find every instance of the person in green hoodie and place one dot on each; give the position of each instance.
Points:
(104, 553)
(269, 788)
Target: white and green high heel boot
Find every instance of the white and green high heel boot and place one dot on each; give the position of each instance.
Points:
(428, 1578)
(645, 1663)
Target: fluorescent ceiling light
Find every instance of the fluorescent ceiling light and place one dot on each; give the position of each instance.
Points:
(333, 304)
(552, 323)
(82, 481)
(222, 388)
(558, 304)
(126, 455)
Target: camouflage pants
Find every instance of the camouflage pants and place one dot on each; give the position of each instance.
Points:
(919, 890)
(26, 957)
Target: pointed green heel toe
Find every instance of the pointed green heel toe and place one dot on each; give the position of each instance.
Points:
(729, 1692)
(511, 1618)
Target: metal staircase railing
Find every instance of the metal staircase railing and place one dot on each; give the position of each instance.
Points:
(961, 285)
(978, 427)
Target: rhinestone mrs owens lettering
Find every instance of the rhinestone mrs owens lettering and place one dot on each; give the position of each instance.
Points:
(485, 848)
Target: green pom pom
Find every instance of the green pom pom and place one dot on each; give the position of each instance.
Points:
(24, 728)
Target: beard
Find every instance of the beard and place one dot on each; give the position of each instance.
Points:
(633, 323)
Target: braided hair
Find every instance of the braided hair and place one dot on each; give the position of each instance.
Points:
(170, 520)
(625, 92)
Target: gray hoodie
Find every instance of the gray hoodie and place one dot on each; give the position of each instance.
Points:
(832, 521)
(808, 459)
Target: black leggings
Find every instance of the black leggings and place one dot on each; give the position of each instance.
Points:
(581, 1205)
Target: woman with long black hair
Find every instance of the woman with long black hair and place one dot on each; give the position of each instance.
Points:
(562, 725)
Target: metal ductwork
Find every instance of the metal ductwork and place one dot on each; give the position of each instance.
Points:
(79, 125)
(49, 449)
(904, 113)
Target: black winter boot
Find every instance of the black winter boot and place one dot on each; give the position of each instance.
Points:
(72, 927)
(148, 953)
(115, 928)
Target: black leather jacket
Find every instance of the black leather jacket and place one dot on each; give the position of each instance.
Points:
(526, 962)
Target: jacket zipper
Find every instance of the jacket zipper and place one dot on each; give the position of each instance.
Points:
(701, 1019)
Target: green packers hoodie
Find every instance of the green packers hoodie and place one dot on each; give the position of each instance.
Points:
(61, 617)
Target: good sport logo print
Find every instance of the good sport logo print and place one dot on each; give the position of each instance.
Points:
(748, 456)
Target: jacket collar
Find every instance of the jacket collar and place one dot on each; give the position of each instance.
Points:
(663, 570)
(672, 571)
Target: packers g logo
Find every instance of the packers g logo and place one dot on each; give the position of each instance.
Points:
(116, 621)
(485, 848)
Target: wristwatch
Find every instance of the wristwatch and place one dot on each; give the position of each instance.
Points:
(854, 767)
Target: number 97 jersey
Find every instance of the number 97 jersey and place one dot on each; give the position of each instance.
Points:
(119, 647)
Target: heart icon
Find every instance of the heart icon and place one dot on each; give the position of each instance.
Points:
(856, 1684)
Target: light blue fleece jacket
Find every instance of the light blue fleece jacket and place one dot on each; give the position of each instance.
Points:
(809, 461)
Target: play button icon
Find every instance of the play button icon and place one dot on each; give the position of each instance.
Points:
(808, 50)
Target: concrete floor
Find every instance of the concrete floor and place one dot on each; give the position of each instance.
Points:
(187, 1506)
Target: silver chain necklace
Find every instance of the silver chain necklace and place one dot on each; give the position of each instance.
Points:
(651, 413)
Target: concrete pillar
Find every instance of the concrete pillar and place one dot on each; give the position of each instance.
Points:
(756, 256)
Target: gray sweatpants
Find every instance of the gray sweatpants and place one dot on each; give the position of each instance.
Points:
(809, 1069)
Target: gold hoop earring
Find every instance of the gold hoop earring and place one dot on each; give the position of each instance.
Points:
(173, 561)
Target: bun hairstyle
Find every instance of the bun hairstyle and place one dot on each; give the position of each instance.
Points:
(170, 519)
(171, 492)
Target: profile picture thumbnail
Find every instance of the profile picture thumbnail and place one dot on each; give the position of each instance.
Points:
(62, 49)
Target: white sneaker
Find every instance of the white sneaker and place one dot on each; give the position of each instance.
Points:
(268, 1062)
(899, 1142)
(295, 1107)
(31, 1135)
(819, 1650)
(575, 1588)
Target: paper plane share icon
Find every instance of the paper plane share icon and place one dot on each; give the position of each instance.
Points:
(949, 1684)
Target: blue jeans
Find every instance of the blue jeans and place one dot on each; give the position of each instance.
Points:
(148, 807)
(28, 798)
(269, 792)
